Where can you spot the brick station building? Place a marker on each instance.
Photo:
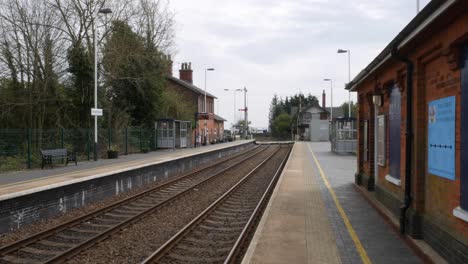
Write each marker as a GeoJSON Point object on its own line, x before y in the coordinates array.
{"type": "Point", "coordinates": [196, 98]}
{"type": "Point", "coordinates": [413, 123]}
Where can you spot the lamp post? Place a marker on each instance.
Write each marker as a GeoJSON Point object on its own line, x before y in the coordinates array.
{"type": "Point", "coordinates": [246, 126]}
{"type": "Point", "coordinates": [331, 97]}
{"type": "Point", "coordinates": [204, 104]}
{"type": "Point", "coordinates": [349, 77]}
{"type": "Point", "coordinates": [234, 117]}
{"type": "Point", "coordinates": [104, 11]}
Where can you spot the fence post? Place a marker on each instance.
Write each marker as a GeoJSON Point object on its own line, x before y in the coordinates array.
{"type": "Point", "coordinates": [29, 148]}
{"type": "Point", "coordinates": [88, 145]}
{"type": "Point", "coordinates": [109, 137]}
{"type": "Point", "coordinates": [62, 141]}
{"type": "Point", "coordinates": [141, 139]}
{"type": "Point", "coordinates": [126, 141]}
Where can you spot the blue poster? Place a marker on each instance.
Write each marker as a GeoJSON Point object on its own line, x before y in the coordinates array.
{"type": "Point", "coordinates": [441, 145]}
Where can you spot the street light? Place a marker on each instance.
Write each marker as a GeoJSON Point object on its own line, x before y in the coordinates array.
{"type": "Point", "coordinates": [331, 97]}
{"type": "Point", "coordinates": [234, 93]}
{"type": "Point", "coordinates": [204, 105]}
{"type": "Point", "coordinates": [104, 11]}
{"type": "Point", "coordinates": [349, 77]}
{"type": "Point", "coordinates": [246, 126]}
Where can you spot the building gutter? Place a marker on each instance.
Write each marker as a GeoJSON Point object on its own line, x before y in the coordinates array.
{"type": "Point", "coordinates": [408, 135]}
{"type": "Point", "coordinates": [432, 11]}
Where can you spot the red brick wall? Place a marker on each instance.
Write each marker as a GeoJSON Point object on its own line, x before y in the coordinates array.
{"type": "Point", "coordinates": [436, 75]}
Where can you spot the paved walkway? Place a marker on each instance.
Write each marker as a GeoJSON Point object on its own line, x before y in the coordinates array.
{"type": "Point", "coordinates": [12, 182]}
{"type": "Point", "coordinates": [316, 216]}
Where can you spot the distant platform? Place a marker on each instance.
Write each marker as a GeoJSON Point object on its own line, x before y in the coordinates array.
{"type": "Point", "coordinates": [273, 142]}
{"type": "Point", "coordinates": [13, 184]}
{"type": "Point", "coordinates": [34, 195]}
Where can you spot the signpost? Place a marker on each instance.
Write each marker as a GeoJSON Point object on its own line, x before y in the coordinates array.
{"type": "Point", "coordinates": [96, 111]}
{"type": "Point", "coordinates": [441, 138]}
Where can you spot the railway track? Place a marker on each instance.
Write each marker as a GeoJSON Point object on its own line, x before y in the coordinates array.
{"type": "Point", "coordinates": [219, 233]}
{"type": "Point", "coordinates": [60, 243]}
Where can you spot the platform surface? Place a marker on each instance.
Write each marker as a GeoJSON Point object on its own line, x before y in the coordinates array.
{"type": "Point", "coordinates": [14, 184]}
{"type": "Point", "coordinates": [317, 216]}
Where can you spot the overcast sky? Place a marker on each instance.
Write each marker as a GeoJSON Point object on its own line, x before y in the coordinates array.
{"type": "Point", "coordinates": [282, 47]}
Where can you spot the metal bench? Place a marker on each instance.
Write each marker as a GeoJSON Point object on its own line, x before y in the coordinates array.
{"type": "Point", "coordinates": [48, 155]}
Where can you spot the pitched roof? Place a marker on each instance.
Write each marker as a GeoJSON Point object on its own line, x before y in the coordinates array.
{"type": "Point", "coordinates": [316, 105]}
{"type": "Point", "coordinates": [189, 86]}
{"type": "Point", "coordinates": [337, 111]}
{"type": "Point", "coordinates": [218, 118]}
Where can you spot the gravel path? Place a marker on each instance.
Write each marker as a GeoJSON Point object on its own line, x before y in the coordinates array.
{"type": "Point", "coordinates": [211, 240]}
{"type": "Point", "coordinates": [135, 243]}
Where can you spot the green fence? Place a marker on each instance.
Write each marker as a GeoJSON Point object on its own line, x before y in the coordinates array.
{"type": "Point", "coordinates": [20, 148]}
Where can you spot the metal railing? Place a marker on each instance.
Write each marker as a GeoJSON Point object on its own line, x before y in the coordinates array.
{"type": "Point", "coordinates": [20, 148]}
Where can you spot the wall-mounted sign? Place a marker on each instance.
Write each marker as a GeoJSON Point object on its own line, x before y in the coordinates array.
{"type": "Point", "coordinates": [441, 138]}
{"type": "Point", "coordinates": [202, 116]}
{"type": "Point", "coordinates": [381, 140]}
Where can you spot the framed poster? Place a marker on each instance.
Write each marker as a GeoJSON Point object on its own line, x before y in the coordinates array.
{"type": "Point", "coordinates": [381, 140]}
{"type": "Point", "coordinates": [441, 137]}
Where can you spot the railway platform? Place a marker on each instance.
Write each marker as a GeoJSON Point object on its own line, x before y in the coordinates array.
{"type": "Point", "coordinates": [23, 182]}
{"type": "Point", "coordinates": [316, 215]}
{"type": "Point", "coordinates": [30, 196]}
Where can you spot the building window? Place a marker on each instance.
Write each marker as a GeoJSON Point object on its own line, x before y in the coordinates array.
{"type": "Point", "coordinates": [394, 130]}
{"type": "Point", "coordinates": [381, 140]}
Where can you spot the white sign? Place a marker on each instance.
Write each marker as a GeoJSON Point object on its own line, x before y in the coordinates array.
{"type": "Point", "coordinates": [96, 111]}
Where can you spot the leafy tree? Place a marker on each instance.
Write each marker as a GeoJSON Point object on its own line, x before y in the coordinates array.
{"type": "Point", "coordinates": [282, 126]}
{"type": "Point", "coordinates": [354, 109]}
{"type": "Point", "coordinates": [134, 75]}
{"type": "Point", "coordinates": [275, 110]}
{"type": "Point", "coordinates": [81, 89]}
{"type": "Point", "coordinates": [280, 107]}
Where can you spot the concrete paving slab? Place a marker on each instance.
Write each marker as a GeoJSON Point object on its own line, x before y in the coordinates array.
{"type": "Point", "coordinates": [380, 242]}
{"type": "Point", "coordinates": [302, 223]}
{"type": "Point", "coordinates": [295, 227]}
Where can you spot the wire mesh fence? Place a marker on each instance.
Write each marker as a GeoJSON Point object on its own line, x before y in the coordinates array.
{"type": "Point", "coordinates": [20, 148]}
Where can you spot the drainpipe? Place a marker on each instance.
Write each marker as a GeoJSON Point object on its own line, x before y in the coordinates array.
{"type": "Point", "coordinates": [408, 135]}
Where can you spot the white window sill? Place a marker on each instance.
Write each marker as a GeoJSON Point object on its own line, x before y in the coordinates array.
{"type": "Point", "coordinates": [460, 213]}
{"type": "Point", "coordinates": [393, 180]}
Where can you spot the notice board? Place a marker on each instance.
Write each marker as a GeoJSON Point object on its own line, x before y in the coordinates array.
{"type": "Point", "coordinates": [441, 138]}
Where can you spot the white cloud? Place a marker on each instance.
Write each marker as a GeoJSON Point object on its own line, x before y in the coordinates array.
{"type": "Point", "coordinates": [276, 46]}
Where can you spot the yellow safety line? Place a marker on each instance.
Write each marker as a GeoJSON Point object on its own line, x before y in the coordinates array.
{"type": "Point", "coordinates": [362, 252]}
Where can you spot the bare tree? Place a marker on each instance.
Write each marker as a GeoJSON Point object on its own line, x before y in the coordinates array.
{"type": "Point", "coordinates": [35, 37]}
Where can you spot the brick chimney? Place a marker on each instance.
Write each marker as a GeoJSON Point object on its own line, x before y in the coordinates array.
{"type": "Point", "coordinates": [185, 72]}
{"type": "Point", "coordinates": [323, 99]}
{"type": "Point", "coordinates": [168, 65]}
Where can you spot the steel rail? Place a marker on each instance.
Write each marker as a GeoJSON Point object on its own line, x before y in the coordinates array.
{"type": "Point", "coordinates": [18, 245]}
{"type": "Point", "coordinates": [237, 248]}
{"type": "Point", "coordinates": [166, 247]}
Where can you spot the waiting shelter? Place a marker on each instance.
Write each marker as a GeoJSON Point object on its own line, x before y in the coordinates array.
{"type": "Point", "coordinates": [171, 133]}
{"type": "Point", "coordinates": [343, 135]}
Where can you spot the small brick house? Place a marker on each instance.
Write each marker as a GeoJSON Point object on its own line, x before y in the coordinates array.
{"type": "Point", "coordinates": [196, 96]}
{"type": "Point", "coordinates": [413, 123]}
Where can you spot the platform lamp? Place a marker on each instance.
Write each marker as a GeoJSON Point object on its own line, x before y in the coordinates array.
{"type": "Point", "coordinates": [349, 77]}
{"type": "Point", "coordinates": [234, 93]}
{"type": "Point", "coordinates": [104, 11]}
{"type": "Point", "coordinates": [204, 104]}
{"type": "Point", "coordinates": [331, 97]}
